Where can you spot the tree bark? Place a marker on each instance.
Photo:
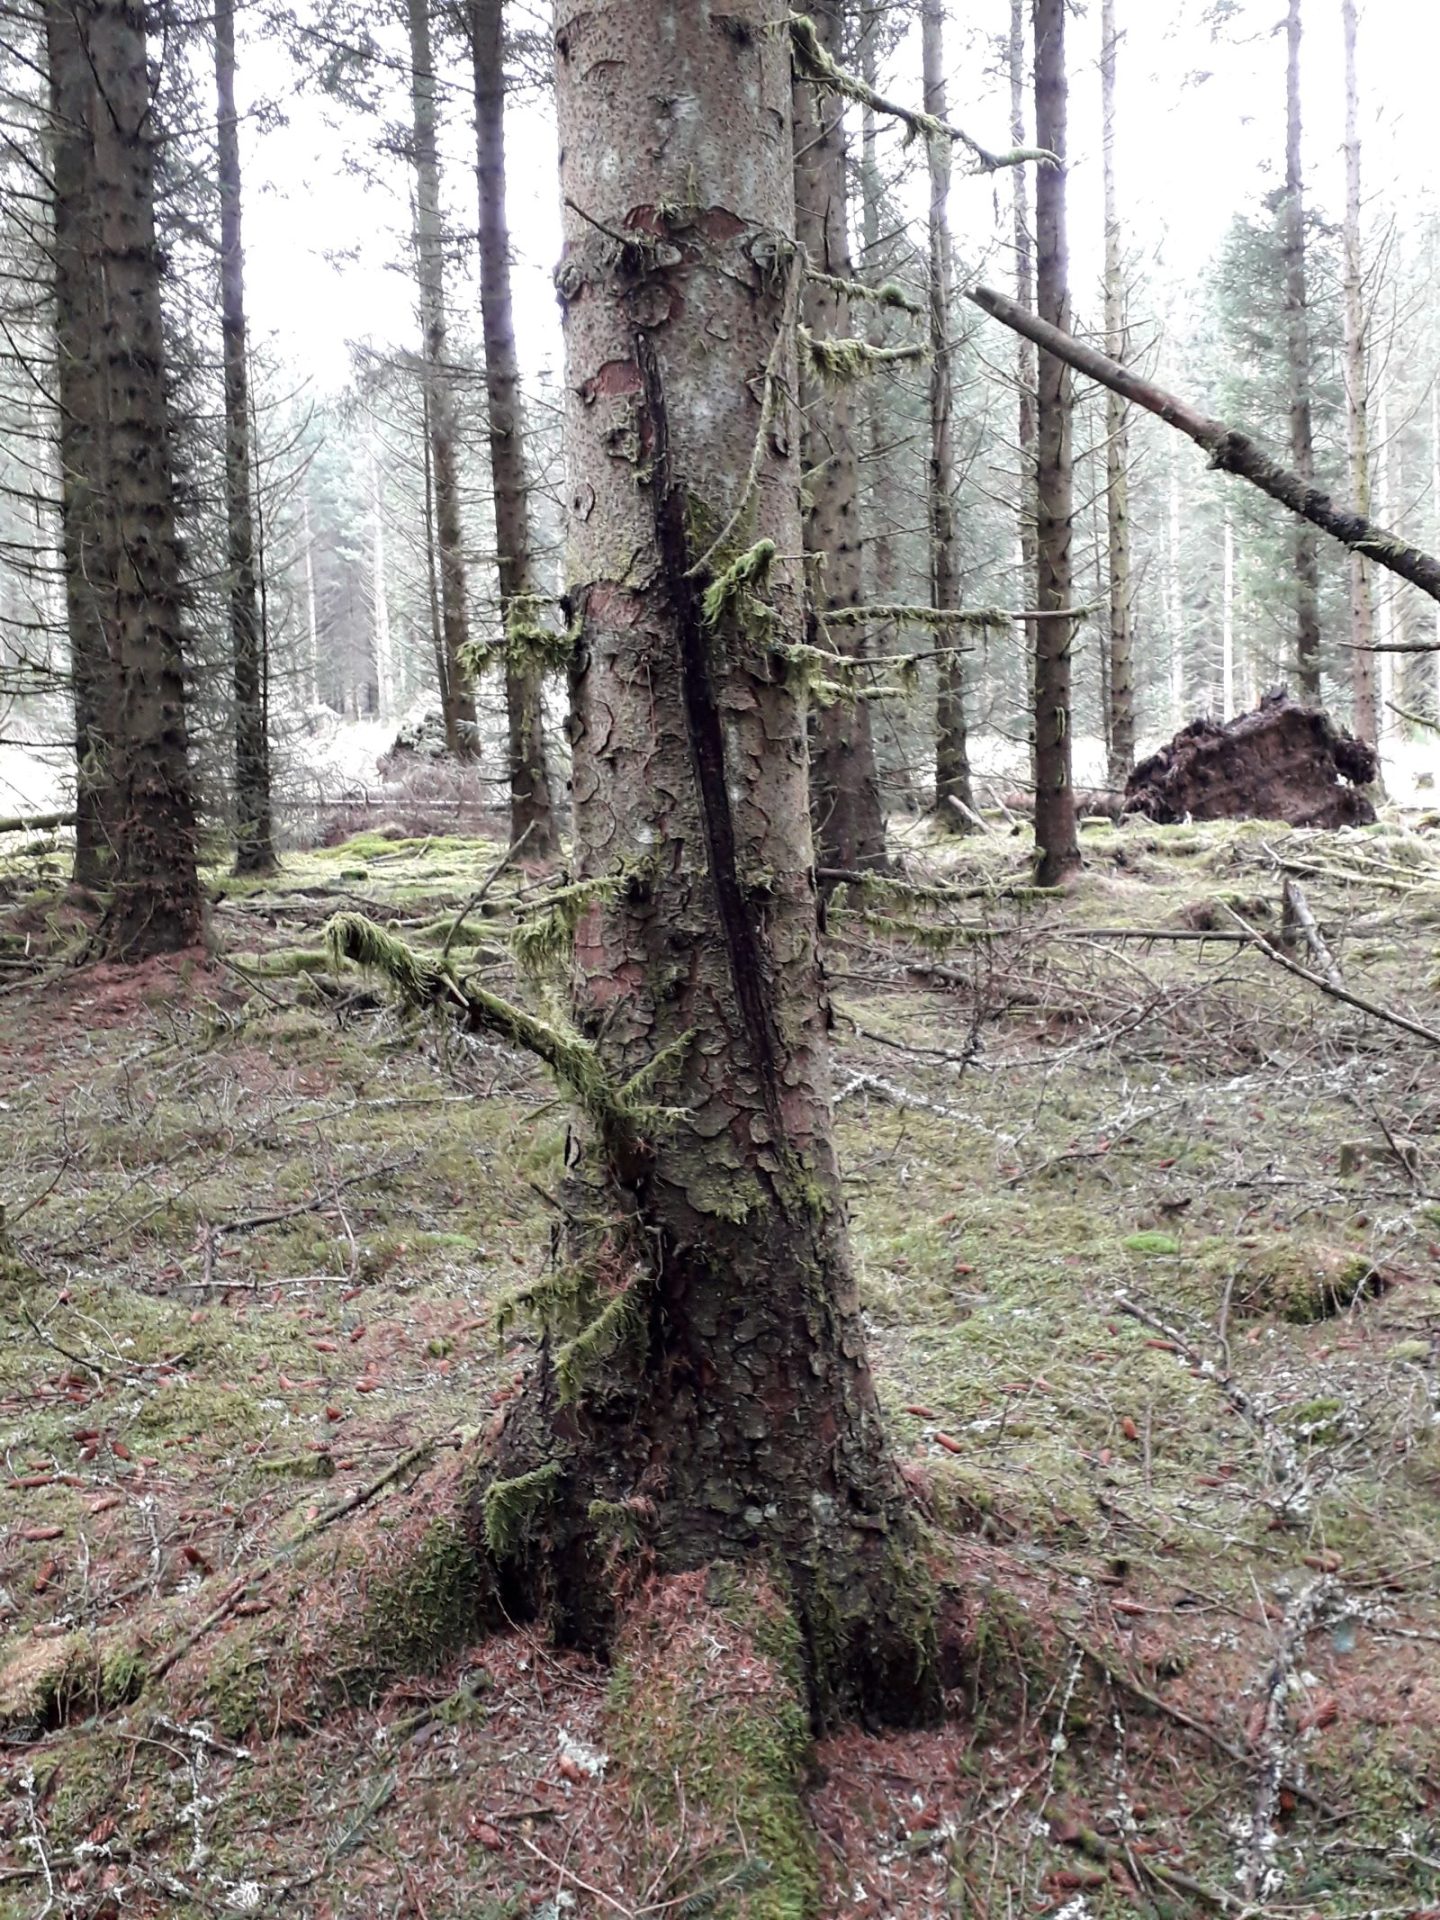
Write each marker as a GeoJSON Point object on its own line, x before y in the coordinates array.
{"type": "Point", "coordinates": [1026, 372]}
{"type": "Point", "coordinates": [850, 824]}
{"type": "Point", "coordinates": [1297, 347]}
{"type": "Point", "coordinates": [952, 747]}
{"type": "Point", "coordinates": [532, 814]}
{"type": "Point", "coordinates": [254, 829]}
{"type": "Point", "coordinates": [1357, 417]}
{"type": "Point", "coordinates": [1055, 831]}
{"type": "Point", "coordinates": [118, 496]}
{"type": "Point", "coordinates": [457, 698]}
{"type": "Point", "coordinates": [728, 1413]}
{"type": "Point", "coordinates": [1230, 449]}
{"type": "Point", "coordinates": [1120, 677]}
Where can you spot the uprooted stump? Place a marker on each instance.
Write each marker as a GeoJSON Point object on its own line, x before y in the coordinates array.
{"type": "Point", "coordinates": [1280, 762]}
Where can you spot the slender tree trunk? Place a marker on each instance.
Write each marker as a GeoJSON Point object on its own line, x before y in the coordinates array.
{"type": "Point", "coordinates": [1055, 831]}
{"type": "Point", "coordinates": [531, 810]}
{"type": "Point", "coordinates": [1227, 623]}
{"type": "Point", "coordinates": [1435, 512]}
{"type": "Point", "coordinates": [1026, 374]}
{"type": "Point", "coordinates": [850, 825]}
{"type": "Point", "coordinates": [1389, 597]}
{"type": "Point", "coordinates": [1120, 650]}
{"type": "Point", "coordinates": [1174, 597]}
{"type": "Point", "coordinates": [1357, 378]}
{"type": "Point", "coordinates": [457, 697]}
{"type": "Point", "coordinates": [122, 556]}
{"type": "Point", "coordinates": [312, 614]}
{"type": "Point", "coordinates": [729, 1414]}
{"type": "Point", "coordinates": [380, 592]}
{"type": "Point", "coordinates": [952, 747]}
{"type": "Point", "coordinates": [254, 829]}
{"type": "Point", "coordinates": [1298, 352]}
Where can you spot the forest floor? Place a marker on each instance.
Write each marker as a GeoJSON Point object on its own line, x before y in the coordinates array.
{"type": "Point", "coordinates": [1149, 1239]}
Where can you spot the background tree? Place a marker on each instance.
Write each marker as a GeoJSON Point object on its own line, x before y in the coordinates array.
{"type": "Point", "coordinates": [1055, 831]}
{"type": "Point", "coordinates": [531, 809]}
{"type": "Point", "coordinates": [118, 490]}
{"type": "Point", "coordinates": [441, 424]}
{"type": "Point", "coordinates": [1302, 441]}
{"type": "Point", "coordinates": [1357, 396]}
{"type": "Point", "coordinates": [954, 800]}
{"type": "Point", "coordinates": [850, 826]}
{"type": "Point", "coordinates": [255, 843]}
{"type": "Point", "coordinates": [1120, 675]}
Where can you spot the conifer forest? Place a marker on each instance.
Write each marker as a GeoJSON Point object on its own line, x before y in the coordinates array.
{"type": "Point", "coordinates": [719, 959]}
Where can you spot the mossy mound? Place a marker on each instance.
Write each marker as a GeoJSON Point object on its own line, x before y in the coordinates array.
{"type": "Point", "coordinates": [706, 1720]}
{"type": "Point", "coordinates": [1303, 1282]}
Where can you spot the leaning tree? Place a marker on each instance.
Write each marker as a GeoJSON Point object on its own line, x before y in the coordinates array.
{"type": "Point", "coordinates": [703, 1393]}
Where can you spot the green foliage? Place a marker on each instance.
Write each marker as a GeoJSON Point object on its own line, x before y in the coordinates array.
{"type": "Point", "coordinates": [527, 646]}
{"type": "Point", "coordinates": [543, 941]}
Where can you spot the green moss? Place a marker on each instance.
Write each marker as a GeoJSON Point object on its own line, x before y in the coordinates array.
{"type": "Point", "coordinates": [510, 1507]}
{"type": "Point", "coordinates": [732, 1758]}
{"type": "Point", "coordinates": [1153, 1245]}
{"type": "Point", "coordinates": [1303, 1282]}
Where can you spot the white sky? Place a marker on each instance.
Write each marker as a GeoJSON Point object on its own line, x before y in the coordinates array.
{"type": "Point", "coordinates": [1201, 136]}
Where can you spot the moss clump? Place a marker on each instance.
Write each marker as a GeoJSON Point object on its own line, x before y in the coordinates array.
{"type": "Point", "coordinates": [1152, 1244]}
{"type": "Point", "coordinates": [737, 1753]}
{"type": "Point", "coordinates": [1304, 1283]}
{"type": "Point", "coordinates": [415, 1616]}
{"type": "Point", "coordinates": [510, 1506]}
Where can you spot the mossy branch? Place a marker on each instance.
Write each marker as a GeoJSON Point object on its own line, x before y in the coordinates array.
{"type": "Point", "coordinates": [814, 62]}
{"type": "Point", "coordinates": [917, 616]}
{"type": "Point", "coordinates": [841, 362]}
{"type": "Point", "coordinates": [889, 293]}
{"type": "Point", "coordinates": [546, 939]}
{"type": "Point", "coordinates": [528, 645]}
{"type": "Point", "coordinates": [747, 576]}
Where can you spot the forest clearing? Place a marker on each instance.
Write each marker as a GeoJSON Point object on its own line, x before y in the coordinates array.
{"type": "Point", "coordinates": [1146, 1233]}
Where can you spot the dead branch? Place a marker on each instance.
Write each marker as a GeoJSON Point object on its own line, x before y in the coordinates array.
{"type": "Point", "coordinates": [1230, 449]}
{"type": "Point", "coordinates": [1297, 918]}
{"type": "Point", "coordinates": [36, 822]}
{"type": "Point", "coordinates": [1385, 1014]}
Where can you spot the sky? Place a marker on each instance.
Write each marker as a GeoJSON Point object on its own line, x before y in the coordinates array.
{"type": "Point", "coordinates": [1201, 136]}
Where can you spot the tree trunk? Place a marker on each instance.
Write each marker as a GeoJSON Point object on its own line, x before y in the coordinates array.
{"type": "Point", "coordinates": [457, 698]}
{"type": "Point", "coordinates": [254, 831]}
{"type": "Point", "coordinates": [1120, 730]}
{"type": "Point", "coordinates": [1174, 598]}
{"type": "Point", "coordinates": [1026, 373]}
{"type": "Point", "coordinates": [531, 810]}
{"type": "Point", "coordinates": [850, 825]}
{"type": "Point", "coordinates": [952, 747]}
{"type": "Point", "coordinates": [1055, 832]}
{"type": "Point", "coordinates": [1227, 623]}
{"type": "Point", "coordinates": [380, 594]}
{"type": "Point", "coordinates": [122, 560]}
{"type": "Point", "coordinates": [719, 1406]}
{"type": "Point", "coordinates": [1302, 447]}
{"type": "Point", "coordinates": [1357, 377]}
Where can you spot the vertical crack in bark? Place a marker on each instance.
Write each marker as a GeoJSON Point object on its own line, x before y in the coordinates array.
{"type": "Point", "coordinates": [707, 747]}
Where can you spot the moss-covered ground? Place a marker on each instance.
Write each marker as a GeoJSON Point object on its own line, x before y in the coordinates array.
{"type": "Point", "coordinates": [1148, 1233]}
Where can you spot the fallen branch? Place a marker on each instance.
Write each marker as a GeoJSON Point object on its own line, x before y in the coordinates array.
{"type": "Point", "coordinates": [36, 822]}
{"type": "Point", "coordinates": [1304, 1613]}
{"type": "Point", "coordinates": [1230, 450]}
{"type": "Point", "coordinates": [1297, 917]}
{"type": "Point", "coordinates": [1385, 1014]}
